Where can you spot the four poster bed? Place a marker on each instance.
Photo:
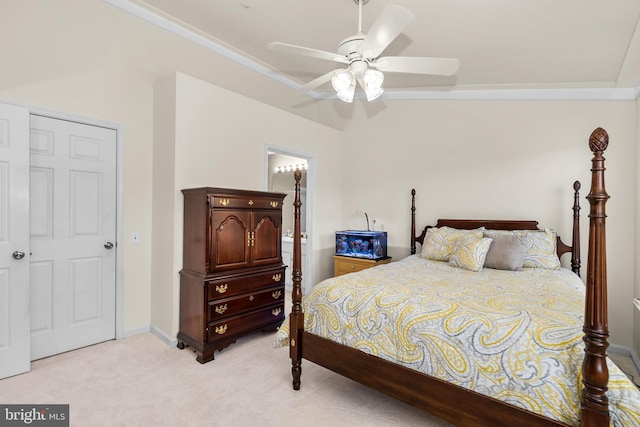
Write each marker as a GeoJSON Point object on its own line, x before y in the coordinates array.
{"type": "Point", "coordinates": [472, 345]}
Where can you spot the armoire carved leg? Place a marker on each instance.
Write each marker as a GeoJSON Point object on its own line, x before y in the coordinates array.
{"type": "Point", "coordinates": [204, 356]}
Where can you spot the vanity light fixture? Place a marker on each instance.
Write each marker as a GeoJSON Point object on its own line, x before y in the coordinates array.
{"type": "Point", "coordinates": [290, 168]}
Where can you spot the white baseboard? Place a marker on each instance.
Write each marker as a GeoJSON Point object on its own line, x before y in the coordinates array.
{"type": "Point", "coordinates": [626, 351]}
{"type": "Point", "coordinates": [170, 341]}
{"type": "Point", "coordinates": [132, 332]}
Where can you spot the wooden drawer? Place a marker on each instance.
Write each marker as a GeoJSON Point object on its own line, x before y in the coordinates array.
{"type": "Point", "coordinates": [226, 307]}
{"type": "Point", "coordinates": [217, 289]}
{"type": "Point", "coordinates": [243, 323]}
{"type": "Point", "coordinates": [345, 265]}
{"type": "Point", "coordinates": [244, 202]}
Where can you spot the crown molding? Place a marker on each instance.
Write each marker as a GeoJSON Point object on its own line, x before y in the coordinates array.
{"type": "Point", "coordinates": [568, 94]}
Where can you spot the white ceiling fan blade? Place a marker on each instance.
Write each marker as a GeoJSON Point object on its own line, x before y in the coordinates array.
{"type": "Point", "coordinates": [391, 22]}
{"type": "Point", "coordinates": [417, 65]}
{"type": "Point", "coordinates": [319, 81]}
{"type": "Point", "coordinates": [314, 53]}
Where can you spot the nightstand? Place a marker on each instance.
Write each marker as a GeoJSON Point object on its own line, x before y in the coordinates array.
{"type": "Point", "coordinates": [344, 265]}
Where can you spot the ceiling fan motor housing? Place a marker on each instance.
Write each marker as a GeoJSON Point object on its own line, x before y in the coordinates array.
{"type": "Point", "coordinates": [349, 46]}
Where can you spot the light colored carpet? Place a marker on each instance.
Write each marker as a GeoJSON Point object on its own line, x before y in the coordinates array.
{"type": "Point", "coordinates": [141, 381]}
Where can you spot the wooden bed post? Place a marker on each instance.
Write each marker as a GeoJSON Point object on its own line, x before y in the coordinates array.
{"type": "Point", "coordinates": [296, 319]}
{"type": "Point", "coordinates": [595, 375]}
{"type": "Point", "coordinates": [413, 221]}
{"type": "Point", "coordinates": [575, 242]}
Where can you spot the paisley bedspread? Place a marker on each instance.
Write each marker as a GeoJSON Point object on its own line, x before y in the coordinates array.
{"type": "Point", "coordinates": [513, 335]}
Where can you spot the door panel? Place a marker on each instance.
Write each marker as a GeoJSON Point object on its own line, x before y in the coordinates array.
{"type": "Point", "coordinates": [85, 289]}
{"type": "Point", "coordinates": [41, 277]}
{"type": "Point", "coordinates": [267, 228]}
{"type": "Point", "coordinates": [73, 214]}
{"type": "Point", "coordinates": [230, 239]}
{"type": "Point", "coordinates": [14, 237]}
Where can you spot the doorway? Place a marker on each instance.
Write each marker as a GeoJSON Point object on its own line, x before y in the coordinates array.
{"type": "Point", "coordinates": [64, 216]}
{"type": "Point", "coordinates": [281, 163]}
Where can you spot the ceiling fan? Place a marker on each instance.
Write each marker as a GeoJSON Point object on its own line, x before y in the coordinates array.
{"type": "Point", "coordinates": [361, 53]}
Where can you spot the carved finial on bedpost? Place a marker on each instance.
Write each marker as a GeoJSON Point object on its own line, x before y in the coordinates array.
{"type": "Point", "coordinates": [575, 244]}
{"type": "Point", "coordinates": [413, 221]}
{"type": "Point", "coordinates": [296, 318]}
{"type": "Point", "coordinates": [595, 404]}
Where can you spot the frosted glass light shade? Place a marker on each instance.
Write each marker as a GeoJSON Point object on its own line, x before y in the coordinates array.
{"type": "Point", "coordinates": [372, 80]}
{"type": "Point", "coordinates": [345, 85]}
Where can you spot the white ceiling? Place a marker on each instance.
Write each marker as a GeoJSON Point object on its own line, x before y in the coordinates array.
{"type": "Point", "coordinates": [529, 44]}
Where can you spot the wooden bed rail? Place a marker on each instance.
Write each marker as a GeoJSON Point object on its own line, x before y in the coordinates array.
{"type": "Point", "coordinates": [595, 375]}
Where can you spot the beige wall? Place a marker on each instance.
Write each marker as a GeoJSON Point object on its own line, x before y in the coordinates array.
{"type": "Point", "coordinates": [124, 99]}
{"type": "Point", "coordinates": [162, 217]}
{"type": "Point", "coordinates": [220, 140]}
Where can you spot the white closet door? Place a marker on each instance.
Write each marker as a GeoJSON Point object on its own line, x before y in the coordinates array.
{"type": "Point", "coordinates": [14, 240]}
{"type": "Point", "coordinates": [73, 231]}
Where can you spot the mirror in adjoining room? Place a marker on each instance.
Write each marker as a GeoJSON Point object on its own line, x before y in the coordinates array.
{"type": "Point", "coordinates": [280, 180]}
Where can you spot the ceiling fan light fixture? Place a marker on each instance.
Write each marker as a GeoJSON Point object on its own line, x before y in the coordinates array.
{"type": "Point", "coordinates": [372, 80]}
{"type": "Point", "coordinates": [361, 51]}
{"type": "Point", "coordinates": [345, 85]}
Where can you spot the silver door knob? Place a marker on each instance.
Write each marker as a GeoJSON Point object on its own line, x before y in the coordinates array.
{"type": "Point", "coordinates": [108, 245]}
{"type": "Point", "coordinates": [18, 254]}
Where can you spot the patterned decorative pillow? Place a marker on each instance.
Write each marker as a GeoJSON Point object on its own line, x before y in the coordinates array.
{"type": "Point", "coordinates": [541, 247]}
{"type": "Point", "coordinates": [470, 252]}
{"type": "Point", "coordinates": [439, 242]}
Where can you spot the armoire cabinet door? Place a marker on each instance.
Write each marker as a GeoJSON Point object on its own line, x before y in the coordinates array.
{"type": "Point", "coordinates": [267, 231]}
{"type": "Point", "coordinates": [230, 239]}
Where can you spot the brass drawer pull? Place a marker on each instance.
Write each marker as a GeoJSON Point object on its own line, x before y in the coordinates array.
{"type": "Point", "coordinates": [220, 330]}
{"type": "Point", "coordinates": [224, 202]}
{"type": "Point", "coordinates": [221, 308]}
{"type": "Point", "coordinates": [276, 311]}
{"type": "Point", "coordinates": [222, 289]}
{"type": "Point", "coordinates": [274, 204]}
{"type": "Point", "coordinates": [276, 277]}
{"type": "Point", "coordinates": [276, 294]}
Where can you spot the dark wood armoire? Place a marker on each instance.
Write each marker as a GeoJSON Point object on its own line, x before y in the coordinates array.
{"type": "Point", "coordinates": [232, 279]}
